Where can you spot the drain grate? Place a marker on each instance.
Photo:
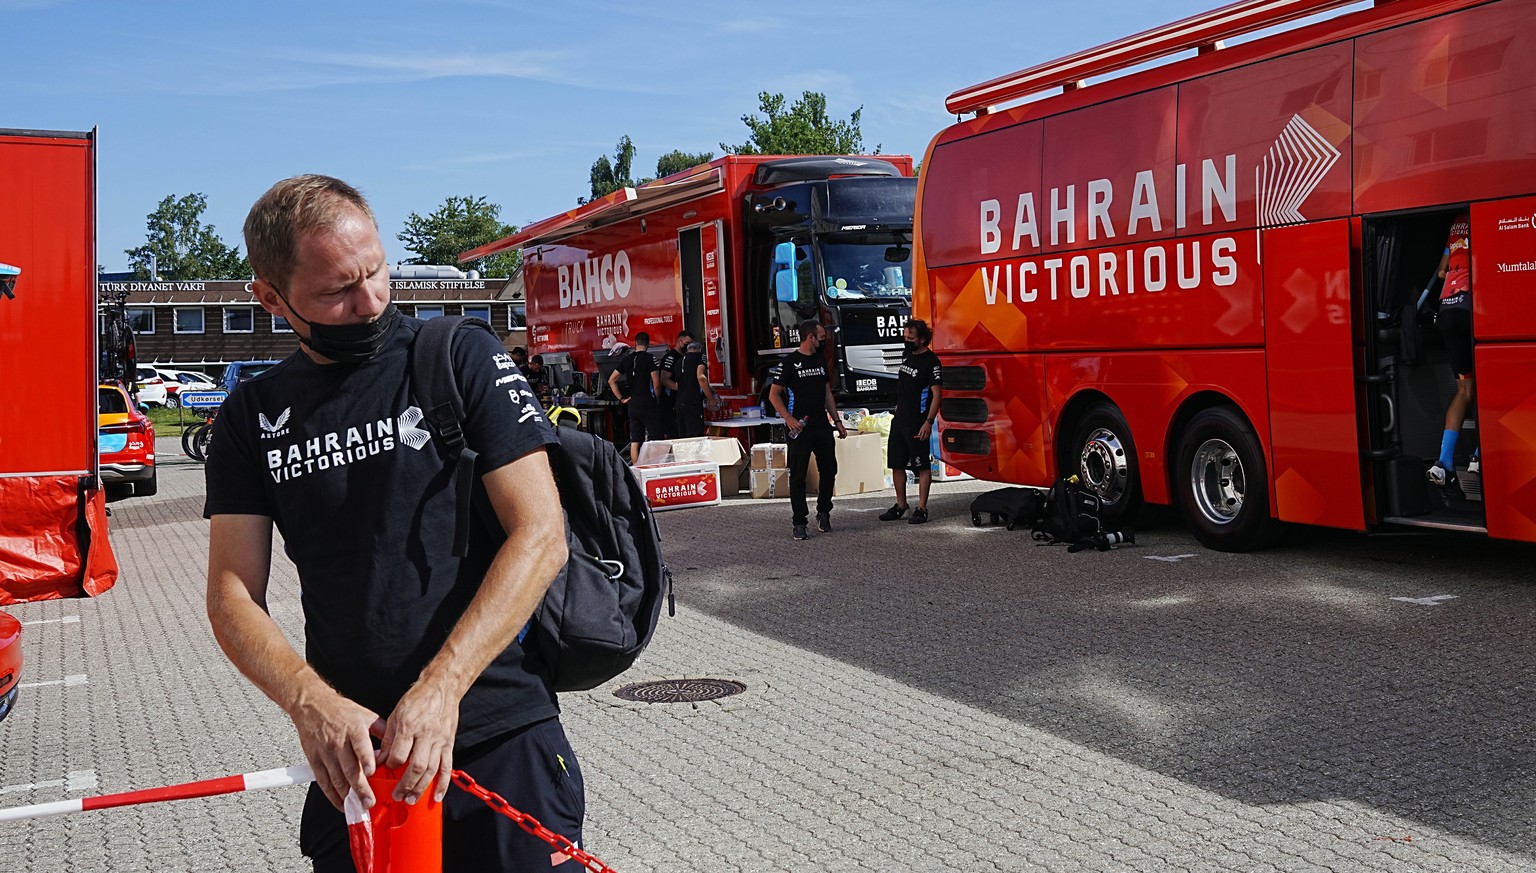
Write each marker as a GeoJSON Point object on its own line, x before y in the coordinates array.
{"type": "Point", "coordinates": [679, 690]}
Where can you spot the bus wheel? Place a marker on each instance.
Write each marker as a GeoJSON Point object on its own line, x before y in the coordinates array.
{"type": "Point", "coordinates": [1221, 484]}
{"type": "Point", "coordinates": [1104, 458]}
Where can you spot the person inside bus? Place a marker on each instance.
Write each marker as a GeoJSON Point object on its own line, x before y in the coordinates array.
{"type": "Point", "coordinates": [1454, 320]}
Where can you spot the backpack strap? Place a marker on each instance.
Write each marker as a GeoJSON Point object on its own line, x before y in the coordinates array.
{"type": "Point", "coordinates": [437, 393]}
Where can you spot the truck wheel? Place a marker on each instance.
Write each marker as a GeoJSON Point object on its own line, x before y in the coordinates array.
{"type": "Point", "coordinates": [1103, 455]}
{"type": "Point", "coordinates": [1221, 484]}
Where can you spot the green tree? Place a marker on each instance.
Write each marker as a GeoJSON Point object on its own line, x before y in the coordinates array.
{"type": "Point", "coordinates": [460, 224]}
{"type": "Point", "coordinates": [677, 161]}
{"type": "Point", "coordinates": [182, 247]}
{"type": "Point", "coordinates": [610, 176]}
{"type": "Point", "coordinates": [802, 129]}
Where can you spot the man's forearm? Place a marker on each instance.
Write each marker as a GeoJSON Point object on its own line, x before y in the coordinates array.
{"type": "Point", "coordinates": [515, 583]}
{"type": "Point", "coordinates": [256, 646]}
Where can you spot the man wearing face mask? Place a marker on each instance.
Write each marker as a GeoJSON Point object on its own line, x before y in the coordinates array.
{"type": "Point", "coordinates": [406, 644]}
{"type": "Point", "coordinates": [802, 395]}
{"type": "Point", "coordinates": [917, 405]}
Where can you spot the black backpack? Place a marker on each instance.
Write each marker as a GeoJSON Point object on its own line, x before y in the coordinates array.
{"type": "Point", "coordinates": [602, 607]}
{"type": "Point", "coordinates": [1071, 513]}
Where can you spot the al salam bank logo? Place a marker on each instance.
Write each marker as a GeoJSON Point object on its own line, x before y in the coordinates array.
{"type": "Point", "coordinates": [1294, 167]}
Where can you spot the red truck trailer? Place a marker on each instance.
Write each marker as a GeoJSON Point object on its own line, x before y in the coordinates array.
{"type": "Point", "coordinates": [53, 529]}
{"type": "Point", "coordinates": [1196, 283]}
{"type": "Point", "coordinates": [739, 251]}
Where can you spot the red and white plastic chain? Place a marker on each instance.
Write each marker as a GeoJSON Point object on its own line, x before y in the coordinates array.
{"type": "Point", "coordinates": [529, 823]}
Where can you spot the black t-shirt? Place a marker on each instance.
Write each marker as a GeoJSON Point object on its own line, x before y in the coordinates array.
{"type": "Point", "coordinates": [337, 456]}
{"type": "Point", "coordinates": [804, 378]}
{"type": "Point", "coordinates": [641, 366]}
{"type": "Point", "coordinates": [688, 391]}
{"type": "Point", "coordinates": [539, 382]}
{"type": "Point", "coordinates": [914, 386]}
{"type": "Point", "coordinates": [670, 364]}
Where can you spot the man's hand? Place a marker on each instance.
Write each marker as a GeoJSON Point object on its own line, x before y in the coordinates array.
{"type": "Point", "coordinates": [924, 431]}
{"type": "Point", "coordinates": [421, 731]}
{"type": "Point", "coordinates": [842, 430]}
{"type": "Point", "coordinates": [794, 426]}
{"type": "Point", "coordinates": [333, 731]}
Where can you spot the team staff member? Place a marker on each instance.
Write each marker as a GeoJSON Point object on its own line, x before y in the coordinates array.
{"type": "Point", "coordinates": [1455, 322]}
{"type": "Point", "coordinates": [644, 388]}
{"type": "Point", "coordinates": [917, 405]}
{"type": "Point", "coordinates": [670, 370]}
{"type": "Point", "coordinates": [802, 395]}
{"type": "Point", "coordinates": [693, 391]}
{"type": "Point", "coordinates": [406, 643]}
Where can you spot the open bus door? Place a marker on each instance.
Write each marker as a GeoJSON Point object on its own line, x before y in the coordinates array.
{"type": "Point", "coordinates": [705, 309]}
{"type": "Point", "coordinates": [1309, 349]}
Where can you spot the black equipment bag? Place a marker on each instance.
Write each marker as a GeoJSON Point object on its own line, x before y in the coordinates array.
{"type": "Point", "coordinates": [602, 607]}
{"type": "Point", "coordinates": [1016, 507]}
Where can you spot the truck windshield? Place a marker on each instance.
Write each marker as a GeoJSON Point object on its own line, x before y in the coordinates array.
{"type": "Point", "coordinates": [867, 266]}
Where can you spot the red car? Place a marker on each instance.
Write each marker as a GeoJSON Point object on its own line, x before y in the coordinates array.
{"type": "Point", "coordinates": [10, 662]}
{"type": "Point", "coordinates": [125, 440]}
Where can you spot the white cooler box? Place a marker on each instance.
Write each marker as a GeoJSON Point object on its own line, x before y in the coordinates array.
{"type": "Point", "coordinates": [679, 486]}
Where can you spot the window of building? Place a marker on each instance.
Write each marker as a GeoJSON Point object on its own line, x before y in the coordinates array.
{"type": "Point", "coordinates": [281, 325]}
{"type": "Point", "coordinates": [239, 319]}
{"type": "Point", "coordinates": [426, 312]}
{"type": "Point", "coordinates": [517, 317]}
{"type": "Point", "coordinates": [481, 312]}
{"type": "Point", "coordinates": [141, 319]}
{"type": "Point", "coordinates": [189, 319]}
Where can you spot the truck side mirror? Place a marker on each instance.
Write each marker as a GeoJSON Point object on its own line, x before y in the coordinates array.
{"type": "Point", "coordinates": [786, 284]}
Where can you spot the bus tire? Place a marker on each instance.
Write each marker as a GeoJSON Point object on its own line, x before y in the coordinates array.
{"type": "Point", "coordinates": [1221, 484]}
{"type": "Point", "coordinates": [1103, 455]}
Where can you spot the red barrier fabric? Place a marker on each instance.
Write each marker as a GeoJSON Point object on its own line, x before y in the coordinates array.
{"type": "Point", "coordinates": [49, 537]}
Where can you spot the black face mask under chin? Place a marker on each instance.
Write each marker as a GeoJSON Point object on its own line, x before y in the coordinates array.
{"type": "Point", "coordinates": [347, 343]}
{"type": "Point", "coordinates": [909, 345]}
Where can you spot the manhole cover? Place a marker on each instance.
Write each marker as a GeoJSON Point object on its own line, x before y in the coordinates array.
{"type": "Point", "coordinates": [679, 690]}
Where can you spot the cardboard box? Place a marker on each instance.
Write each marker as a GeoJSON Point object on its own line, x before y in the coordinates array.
{"type": "Point", "coordinates": [679, 486]}
{"type": "Point", "coordinates": [724, 451]}
{"type": "Point", "coordinates": [770, 456]}
{"type": "Point", "coordinates": [770, 483]}
{"type": "Point", "coordinates": [860, 466]}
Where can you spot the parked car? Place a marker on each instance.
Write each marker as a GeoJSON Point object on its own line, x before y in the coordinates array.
{"type": "Point", "coordinates": [177, 381]}
{"type": "Point", "coordinates": [239, 371]}
{"type": "Point", "coordinates": [125, 442]}
{"type": "Point", "coordinates": [10, 658]}
{"type": "Point", "coordinates": [151, 387]}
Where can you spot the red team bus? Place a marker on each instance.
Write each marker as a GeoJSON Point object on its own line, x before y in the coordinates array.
{"type": "Point", "coordinates": [739, 251]}
{"type": "Point", "coordinates": [1197, 283]}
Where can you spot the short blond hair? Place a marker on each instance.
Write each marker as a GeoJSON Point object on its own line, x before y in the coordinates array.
{"type": "Point", "coordinates": [289, 208]}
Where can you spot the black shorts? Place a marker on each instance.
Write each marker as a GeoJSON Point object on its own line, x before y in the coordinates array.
{"type": "Point", "coordinates": [904, 451]}
{"type": "Point", "coordinates": [644, 424]}
{"type": "Point", "coordinates": [1456, 328]}
{"type": "Point", "coordinates": [532, 767]}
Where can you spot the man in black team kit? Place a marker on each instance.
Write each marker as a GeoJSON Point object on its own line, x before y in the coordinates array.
{"type": "Point", "coordinates": [405, 643]}
{"type": "Point", "coordinates": [917, 405]}
{"type": "Point", "coordinates": [669, 368]}
{"type": "Point", "coordinates": [644, 388]}
{"type": "Point", "coordinates": [694, 391]}
{"type": "Point", "coordinates": [802, 395]}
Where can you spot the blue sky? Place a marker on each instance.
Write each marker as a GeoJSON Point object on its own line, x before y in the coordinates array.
{"type": "Point", "coordinates": [413, 102]}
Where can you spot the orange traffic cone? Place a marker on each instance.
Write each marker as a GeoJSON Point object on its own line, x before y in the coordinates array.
{"type": "Point", "coordinates": [395, 837]}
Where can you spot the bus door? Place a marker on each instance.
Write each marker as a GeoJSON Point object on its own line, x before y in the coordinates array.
{"type": "Point", "coordinates": [706, 310]}
{"type": "Point", "coordinates": [1309, 354]}
{"type": "Point", "coordinates": [1409, 380]}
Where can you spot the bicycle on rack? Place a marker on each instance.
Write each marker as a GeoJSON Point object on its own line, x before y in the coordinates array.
{"type": "Point", "coordinates": [196, 437]}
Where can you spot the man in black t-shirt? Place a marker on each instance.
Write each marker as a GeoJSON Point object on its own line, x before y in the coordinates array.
{"type": "Point", "coordinates": [694, 391]}
{"type": "Point", "coordinates": [669, 368]}
{"type": "Point", "coordinates": [404, 642]}
{"type": "Point", "coordinates": [802, 395]}
{"type": "Point", "coordinates": [644, 388]}
{"type": "Point", "coordinates": [917, 405]}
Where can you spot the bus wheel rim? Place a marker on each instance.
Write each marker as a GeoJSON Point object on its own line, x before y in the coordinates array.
{"type": "Point", "coordinates": [1104, 466]}
{"type": "Point", "coordinates": [1217, 481]}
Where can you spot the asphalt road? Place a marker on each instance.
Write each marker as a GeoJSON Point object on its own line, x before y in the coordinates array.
{"type": "Point", "coordinates": [918, 698]}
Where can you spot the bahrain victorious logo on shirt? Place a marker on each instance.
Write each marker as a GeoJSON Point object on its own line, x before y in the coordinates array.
{"type": "Point", "coordinates": [339, 448]}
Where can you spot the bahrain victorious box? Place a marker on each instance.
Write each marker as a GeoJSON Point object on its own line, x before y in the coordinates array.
{"type": "Point", "coordinates": [679, 486]}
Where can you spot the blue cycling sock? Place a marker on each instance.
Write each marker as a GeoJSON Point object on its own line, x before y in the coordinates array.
{"type": "Point", "coordinates": [1448, 449]}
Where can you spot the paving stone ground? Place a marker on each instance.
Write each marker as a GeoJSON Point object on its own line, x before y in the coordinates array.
{"type": "Point", "coordinates": [918, 698]}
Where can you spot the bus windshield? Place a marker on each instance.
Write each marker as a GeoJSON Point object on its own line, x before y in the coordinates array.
{"type": "Point", "coordinates": [867, 267]}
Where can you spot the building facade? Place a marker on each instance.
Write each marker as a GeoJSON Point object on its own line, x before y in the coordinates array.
{"type": "Point", "coordinates": [202, 325]}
